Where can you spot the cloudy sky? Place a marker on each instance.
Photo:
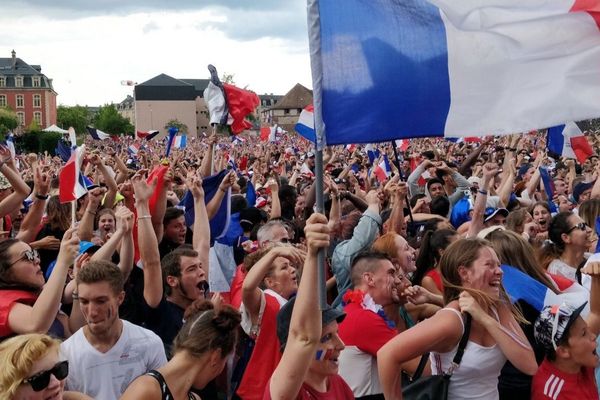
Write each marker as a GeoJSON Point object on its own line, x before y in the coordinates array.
{"type": "Point", "coordinates": [89, 46]}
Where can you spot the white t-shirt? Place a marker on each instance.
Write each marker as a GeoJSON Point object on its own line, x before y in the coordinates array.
{"type": "Point", "coordinates": [105, 376]}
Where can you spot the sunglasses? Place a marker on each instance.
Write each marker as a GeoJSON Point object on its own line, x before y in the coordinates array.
{"type": "Point", "coordinates": [582, 226]}
{"type": "Point", "coordinates": [29, 255]}
{"type": "Point", "coordinates": [41, 380]}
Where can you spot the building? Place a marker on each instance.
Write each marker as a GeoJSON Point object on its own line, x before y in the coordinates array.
{"type": "Point", "coordinates": [286, 111]}
{"type": "Point", "coordinates": [267, 101]}
{"type": "Point", "coordinates": [27, 91]}
{"type": "Point", "coordinates": [164, 98]}
{"type": "Point", "coordinates": [126, 109]}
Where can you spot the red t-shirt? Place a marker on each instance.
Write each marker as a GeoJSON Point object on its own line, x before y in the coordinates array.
{"type": "Point", "coordinates": [437, 279]}
{"type": "Point", "coordinates": [265, 356]}
{"type": "Point", "coordinates": [235, 290]}
{"type": "Point", "coordinates": [8, 298]}
{"type": "Point", "coordinates": [552, 383]}
{"type": "Point", "coordinates": [337, 390]}
{"type": "Point", "coordinates": [364, 329]}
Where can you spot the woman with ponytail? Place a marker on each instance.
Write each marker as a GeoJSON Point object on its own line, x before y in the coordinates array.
{"type": "Point", "coordinates": [432, 247]}
{"type": "Point", "coordinates": [472, 285]}
{"type": "Point", "coordinates": [564, 255]}
{"type": "Point", "coordinates": [200, 352]}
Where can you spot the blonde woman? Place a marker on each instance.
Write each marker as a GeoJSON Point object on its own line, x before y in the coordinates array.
{"type": "Point", "coordinates": [472, 284]}
{"type": "Point", "coordinates": [33, 370]}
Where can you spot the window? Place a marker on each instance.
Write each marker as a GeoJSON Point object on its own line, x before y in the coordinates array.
{"type": "Point", "coordinates": [2, 100]}
{"type": "Point", "coordinates": [36, 81]}
{"type": "Point", "coordinates": [20, 101]}
{"type": "Point", "coordinates": [37, 117]}
{"type": "Point", "coordinates": [37, 101]}
{"type": "Point", "coordinates": [19, 81]}
{"type": "Point", "coordinates": [2, 81]}
{"type": "Point", "coordinates": [21, 117]}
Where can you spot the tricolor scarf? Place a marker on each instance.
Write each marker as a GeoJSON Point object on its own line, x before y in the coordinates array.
{"type": "Point", "coordinates": [367, 303]}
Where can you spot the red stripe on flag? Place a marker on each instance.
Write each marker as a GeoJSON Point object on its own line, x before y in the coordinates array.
{"type": "Point", "coordinates": [581, 148]}
{"type": "Point", "coordinates": [67, 180]}
{"type": "Point", "coordinates": [591, 7]}
{"type": "Point", "coordinates": [265, 131]}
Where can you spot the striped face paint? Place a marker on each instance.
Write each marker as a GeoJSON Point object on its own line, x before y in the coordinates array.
{"type": "Point", "coordinates": [323, 355]}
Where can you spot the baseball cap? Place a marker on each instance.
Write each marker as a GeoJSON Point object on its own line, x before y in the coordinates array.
{"type": "Point", "coordinates": [284, 317]}
{"type": "Point", "coordinates": [553, 322]}
{"type": "Point", "coordinates": [491, 212]}
{"type": "Point", "coordinates": [84, 247]}
{"type": "Point", "coordinates": [474, 180]}
{"type": "Point", "coordinates": [310, 154]}
{"type": "Point", "coordinates": [580, 188]}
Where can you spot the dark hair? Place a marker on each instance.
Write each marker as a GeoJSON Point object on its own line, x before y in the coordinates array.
{"type": "Point", "coordinates": [59, 215]}
{"type": "Point", "coordinates": [365, 261]}
{"type": "Point", "coordinates": [433, 181]}
{"type": "Point", "coordinates": [440, 205]}
{"type": "Point", "coordinates": [238, 203]}
{"type": "Point", "coordinates": [172, 213]}
{"type": "Point", "coordinates": [432, 244]}
{"type": "Point", "coordinates": [171, 264]}
{"type": "Point", "coordinates": [288, 195]}
{"type": "Point", "coordinates": [6, 281]}
{"type": "Point", "coordinates": [553, 249]}
{"type": "Point", "coordinates": [415, 198]}
{"type": "Point", "coordinates": [102, 271]}
{"type": "Point", "coordinates": [207, 329]}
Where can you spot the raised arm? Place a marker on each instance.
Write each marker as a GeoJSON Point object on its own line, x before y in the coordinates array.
{"type": "Point", "coordinates": [148, 245]}
{"type": "Point", "coordinates": [213, 205]}
{"type": "Point", "coordinates": [206, 166]}
{"type": "Point", "coordinates": [305, 325]}
{"type": "Point", "coordinates": [489, 172]}
{"type": "Point", "coordinates": [275, 203]}
{"type": "Point", "coordinates": [39, 317]}
{"type": "Point", "coordinates": [20, 189]}
{"type": "Point", "coordinates": [593, 320]}
{"type": "Point", "coordinates": [86, 225]}
{"type": "Point", "coordinates": [201, 236]}
{"type": "Point", "coordinates": [31, 222]}
{"type": "Point", "coordinates": [109, 180]}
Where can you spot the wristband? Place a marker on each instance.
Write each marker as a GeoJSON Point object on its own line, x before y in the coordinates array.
{"type": "Point", "coordinates": [144, 217]}
{"type": "Point", "coordinates": [482, 191]}
{"type": "Point", "coordinates": [41, 196]}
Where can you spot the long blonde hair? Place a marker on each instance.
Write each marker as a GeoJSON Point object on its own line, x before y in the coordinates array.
{"type": "Point", "coordinates": [17, 356]}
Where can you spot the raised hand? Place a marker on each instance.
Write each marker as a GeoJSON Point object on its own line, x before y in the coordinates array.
{"type": "Point", "coordinates": [69, 247]}
{"type": "Point", "coordinates": [124, 218]}
{"type": "Point", "coordinates": [316, 232]}
{"type": "Point", "coordinates": [141, 189]}
{"type": "Point", "coordinates": [194, 184]}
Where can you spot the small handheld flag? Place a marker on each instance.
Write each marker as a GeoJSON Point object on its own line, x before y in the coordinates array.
{"type": "Point", "coordinates": [172, 133]}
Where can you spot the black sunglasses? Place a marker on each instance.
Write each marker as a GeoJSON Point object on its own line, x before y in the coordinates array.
{"type": "Point", "coordinates": [582, 226]}
{"type": "Point", "coordinates": [29, 255]}
{"type": "Point", "coordinates": [41, 380]}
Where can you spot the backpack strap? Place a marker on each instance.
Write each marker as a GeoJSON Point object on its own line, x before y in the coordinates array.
{"type": "Point", "coordinates": [461, 345]}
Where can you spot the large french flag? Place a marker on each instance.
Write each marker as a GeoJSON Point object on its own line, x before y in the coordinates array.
{"type": "Point", "coordinates": [70, 183]}
{"type": "Point", "coordinates": [390, 69]}
{"type": "Point", "coordinates": [568, 141]}
{"type": "Point", "coordinates": [180, 142]}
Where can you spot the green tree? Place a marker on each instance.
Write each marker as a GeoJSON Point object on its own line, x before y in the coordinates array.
{"type": "Point", "coordinates": [33, 127]}
{"type": "Point", "coordinates": [8, 120]}
{"type": "Point", "coordinates": [177, 124]}
{"type": "Point", "coordinates": [110, 121]}
{"type": "Point", "coordinates": [76, 116]}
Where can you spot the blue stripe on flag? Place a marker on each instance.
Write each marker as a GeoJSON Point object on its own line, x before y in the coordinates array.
{"type": "Point", "coordinates": [387, 56]}
{"type": "Point", "coordinates": [556, 140]}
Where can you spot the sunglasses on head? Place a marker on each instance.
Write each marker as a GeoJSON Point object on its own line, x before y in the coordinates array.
{"type": "Point", "coordinates": [29, 255]}
{"type": "Point", "coordinates": [582, 226]}
{"type": "Point", "coordinates": [41, 380]}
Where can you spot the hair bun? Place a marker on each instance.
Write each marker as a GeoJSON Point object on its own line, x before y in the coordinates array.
{"type": "Point", "coordinates": [227, 319]}
{"type": "Point", "coordinates": [197, 307]}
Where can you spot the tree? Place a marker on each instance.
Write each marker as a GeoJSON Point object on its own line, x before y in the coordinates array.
{"type": "Point", "coordinates": [177, 124]}
{"type": "Point", "coordinates": [110, 121]}
{"type": "Point", "coordinates": [8, 120]}
{"type": "Point", "coordinates": [76, 116]}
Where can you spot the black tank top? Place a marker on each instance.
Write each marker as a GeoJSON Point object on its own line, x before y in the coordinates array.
{"type": "Point", "coordinates": [164, 389]}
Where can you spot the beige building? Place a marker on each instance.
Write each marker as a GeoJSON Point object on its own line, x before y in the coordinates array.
{"type": "Point", "coordinates": [164, 98]}
{"type": "Point", "coordinates": [126, 109]}
{"type": "Point", "coordinates": [286, 111]}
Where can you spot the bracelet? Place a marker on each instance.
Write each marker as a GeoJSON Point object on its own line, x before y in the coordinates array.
{"type": "Point", "coordinates": [512, 149]}
{"type": "Point", "coordinates": [41, 196]}
{"type": "Point", "coordinates": [91, 212]}
{"type": "Point", "coordinates": [144, 217]}
{"type": "Point", "coordinates": [482, 191]}
{"type": "Point", "coordinates": [75, 296]}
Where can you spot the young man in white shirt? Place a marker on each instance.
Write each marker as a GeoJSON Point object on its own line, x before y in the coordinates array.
{"type": "Point", "coordinates": [107, 354]}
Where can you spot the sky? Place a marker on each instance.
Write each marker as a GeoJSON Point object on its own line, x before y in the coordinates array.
{"type": "Point", "coordinates": [89, 46]}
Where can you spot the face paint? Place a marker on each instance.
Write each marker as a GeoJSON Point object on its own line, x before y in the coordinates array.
{"type": "Point", "coordinates": [323, 355]}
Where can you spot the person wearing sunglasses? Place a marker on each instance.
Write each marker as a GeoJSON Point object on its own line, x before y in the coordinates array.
{"type": "Point", "coordinates": [32, 369]}
{"type": "Point", "coordinates": [569, 341]}
{"type": "Point", "coordinates": [565, 254]}
{"type": "Point", "coordinates": [27, 303]}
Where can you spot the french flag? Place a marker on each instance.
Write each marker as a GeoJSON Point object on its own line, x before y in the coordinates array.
{"type": "Point", "coordinates": [147, 135]}
{"type": "Point", "coordinates": [306, 123]}
{"type": "Point", "coordinates": [350, 148]}
{"type": "Point", "coordinates": [97, 134]}
{"type": "Point", "coordinates": [133, 149]}
{"type": "Point", "coordinates": [549, 188]}
{"type": "Point", "coordinates": [71, 186]}
{"type": "Point", "coordinates": [372, 153]}
{"type": "Point", "coordinates": [383, 170]}
{"type": "Point", "coordinates": [568, 141]}
{"type": "Point", "coordinates": [180, 142]}
{"type": "Point", "coordinates": [402, 144]}
{"type": "Point", "coordinates": [521, 286]}
{"type": "Point", "coordinates": [421, 68]}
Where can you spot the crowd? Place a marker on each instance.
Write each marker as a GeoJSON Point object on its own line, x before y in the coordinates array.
{"type": "Point", "coordinates": [195, 276]}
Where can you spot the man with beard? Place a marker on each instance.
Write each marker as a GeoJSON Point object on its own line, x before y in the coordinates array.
{"type": "Point", "coordinates": [376, 281]}
{"type": "Point", "coordinates": [107, 354]}
{"type": "Point", "coordinates": [183, 274]}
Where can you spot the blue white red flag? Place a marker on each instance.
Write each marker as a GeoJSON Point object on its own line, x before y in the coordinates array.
{"type": "Point", "coordinates": [133, 148]}
{"type": "Point", "coordinates": [97, 134]}
{"type": "Point", "coordinates": [147, 135]}
{"type": "Point", "coordinates": [372, 153]}
{"type": "Point", "coordinates": [389, 69]}
{"type": "Point", "coordinates": [172, 133]}
{"type": "Point", "coordinates": [383, 170]}
{"type": "Point", "coordinates": [70, 183]}
{"type": "Point", "coordinates": [549, 188]}
{"type": "Point", "coordinates": [180, 142]}
{"type": "Point", "coordinates": [568, 141]}
{"type": "Point", "coordinates": [306, 123]}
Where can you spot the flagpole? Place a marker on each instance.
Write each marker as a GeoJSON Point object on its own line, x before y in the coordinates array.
{"type": "Point", "coordinates": [212, 158]}
{"type": "Point", "coordinates": [402, 178]}
{"type": "Point", "coordinates": [316, 66]}
{"type": "Point", "coordinates": [73, 213]}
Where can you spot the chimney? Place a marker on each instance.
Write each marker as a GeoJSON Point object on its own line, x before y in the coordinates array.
{"type": "Point", "coordinates": [14, 59]}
